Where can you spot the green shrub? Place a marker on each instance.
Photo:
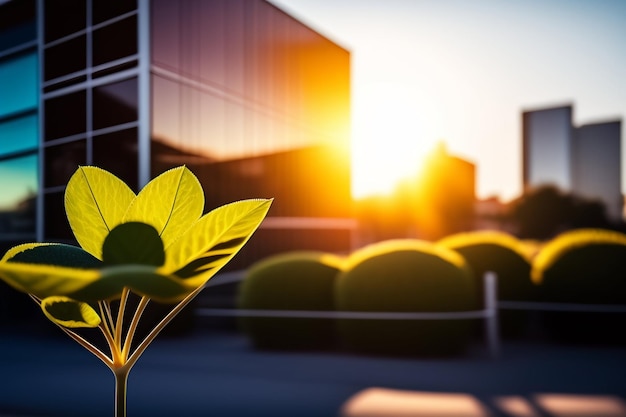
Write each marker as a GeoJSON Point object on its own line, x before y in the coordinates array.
{"type": "Point", "coordinates": [583, 266]}
{"type": "Point", "coordinates": [290, 281]}
{"type": "Point", "coordinates": [405, 276]}
{"type": "Point", "coordinates": [498, 252]}
{"type": "Point", "coordinates": [509, 258]}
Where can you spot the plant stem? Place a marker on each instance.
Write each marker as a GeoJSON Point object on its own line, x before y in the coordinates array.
{"type": "Point", "coordinates": [155, 332]}
{"type": "Point", "coordinates": [121, 379]}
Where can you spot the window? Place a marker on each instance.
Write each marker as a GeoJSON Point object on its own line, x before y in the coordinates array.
{"type": "Point", "coordinates": [105, 10]}
{"type": "Point", "coordinates": [61, 161]}
{"type": "Point", "coordinates": [62, 18]}
{"type": "Point", "coordinates": [117, 153]}
{"type": "Point", "coordinates": [18, 134]}
{"type": "Point", "coordinates": [115, 41]}
{"type": "Point", "coordinates": [65, 115]}
{"type": "Point", "coordinates": [17, 23]}
{"type": "Point", "coordinates": [65, 58]}
{"type": "Point", "coordinates": [18, 84]}
{"type": "Point", "coordinates": [55, 221]}
{"type": "Point", "coordinates": [115, 103]}
{"type": "Point", "coordinates": [19, 185]}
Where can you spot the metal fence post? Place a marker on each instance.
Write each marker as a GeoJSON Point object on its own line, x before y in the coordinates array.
{"type": "Point", "coordinates": [492, 336]}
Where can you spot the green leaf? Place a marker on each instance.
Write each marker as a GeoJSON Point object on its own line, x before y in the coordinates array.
{"type": "Point", "coordinates": [95, 202]}
{"type": "Point", "coordinates": [170, 203]}
{"type": "Point", "coordinates": [214, 240]}
{"type": "Point", "coordinates": [52, 254]}
{"type": "Point", "coordinates": [141, 279]}
{"type": "Point", "coordinates": [133, 243]}
{"type": "Point", "coordinates": [69, 313]}
{"type": "Point", "coordinates": [90, 285]}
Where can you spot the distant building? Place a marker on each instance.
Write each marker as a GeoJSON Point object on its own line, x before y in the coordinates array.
{"type": "Point", "coordinates": [596, 164]}
{"type": "Point", "coordinates": [446, 195]}
{"type": "Point", "coordinates": [547, 139]}
{"type": "Point", "coordinates": [584, 160]}
{"type": "Point", "coordinates": [256, 103]}
{"type": "Point", "coordinates": [438, 201]}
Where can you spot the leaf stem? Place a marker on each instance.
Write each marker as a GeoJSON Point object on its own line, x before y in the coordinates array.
{"type": "Point", "coordinates": [159, 327]}
{"type": "Point", "coordinates": [133, 326]}
{"type": "Point", "coordinates": [105, 313]}
{"type": "Point", "coordinates": [120, 316]}
{"type": "Point", "coordinates": [116, 356]}
{"type": "Point", "coordinates": [87, 345]}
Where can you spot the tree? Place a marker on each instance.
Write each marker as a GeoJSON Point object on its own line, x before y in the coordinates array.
{"type": "Point", "coordinates": [545, 211]}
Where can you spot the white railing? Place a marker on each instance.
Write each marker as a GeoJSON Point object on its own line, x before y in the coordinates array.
{"type": "Point", "coordinates": [489, 313]}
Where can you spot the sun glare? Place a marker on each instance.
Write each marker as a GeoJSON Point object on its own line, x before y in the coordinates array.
{"type": "Point", "coordinates": [391, 137]}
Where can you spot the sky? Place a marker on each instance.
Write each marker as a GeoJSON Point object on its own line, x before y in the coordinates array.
{"type": "Point", "coordinates": [462, 72]}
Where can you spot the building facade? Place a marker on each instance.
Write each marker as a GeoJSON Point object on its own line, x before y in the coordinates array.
{"type": "Point", "coordinates": [254, 102]}
{"type": "Point", "coordinates": [583, 160]}
{"type": "Point", "coordinates": [596, 164]}
{"type": "Point", "coordinates": [547, 138]}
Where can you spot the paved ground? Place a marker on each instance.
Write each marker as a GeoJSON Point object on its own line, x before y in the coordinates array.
{"type": "Point", "coordinates": [218, 374]}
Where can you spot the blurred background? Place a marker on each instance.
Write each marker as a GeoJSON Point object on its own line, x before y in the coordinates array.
{"type": "Point", "coordinates": [366, 121]}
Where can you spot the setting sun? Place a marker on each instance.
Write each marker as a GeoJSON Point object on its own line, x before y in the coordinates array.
{"type": "Point", "coordinates": [392, 134]}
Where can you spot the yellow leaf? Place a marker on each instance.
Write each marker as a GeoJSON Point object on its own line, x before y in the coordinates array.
{"type": "Point", "coordinates": [46, 280]}
{"type": "Point", "coordinates": [95, 202]}
{"type": "Point", "coordinates": [70, 313]}
{"type": "Point", "coordinates": [214, 240]}
{"type": "Point", "coordinates": [170, 203]}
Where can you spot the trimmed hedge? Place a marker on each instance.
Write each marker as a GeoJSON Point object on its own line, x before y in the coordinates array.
{"type": "Point", "coordinates": [302, 280]}
{"type": "Point", "coordinates": [501, 253]}
{"type": "Point", "coordinates": [509, 258]}
{"type": "Point", "coordinates": [405, 276]}
{"type": "Point", "coordinates": [585, 266]}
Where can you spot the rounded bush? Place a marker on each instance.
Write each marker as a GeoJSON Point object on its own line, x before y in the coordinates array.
{"type": "Point", "coordinates": [584, 266]}
{"type": "Point", "coordinates": [405, 276]}
{"type": "Point", "coordinates": [509, 258]}
{"type": "Point", "coordinates": [501, 253]}
{"type": "Point", "coordinates": [290, 281]}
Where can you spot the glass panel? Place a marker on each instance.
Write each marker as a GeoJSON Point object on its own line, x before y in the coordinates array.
{"type": "Point", "coordinates": [62, 18]}
{"type": "Point", "coordinates": [65, 115]}
{"type": "Point", "coordinates": [19, 134]}
{"type": "Point", "coordinates": [65, 58]}
{"type": "Point", "coordinates": [105, 10]}
{"type": "Point", "coordinates": [18, 84]}
{"type": "Point", "coordinates": [56, 226]}
{"type": "Point", "coordinates": [61, 161]}
{"type": "Point", "coordinates": [19, 185]}
{"type": "Point", "coordinates": [115, 103]}
{"type": "Point", "coordinates": [212, 50]}
{"type": "Point", "coordinates": [117, 153]}
{"type": "Point", "coordinates": [165, 33]}
{"type": "Point", "coordinates": [115, 41]}
{"type": "Point", "coordinates": [17, 23]}
{"type": "Point", "coordinates": [235, 46]}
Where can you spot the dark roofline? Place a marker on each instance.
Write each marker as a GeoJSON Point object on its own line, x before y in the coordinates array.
{"type": "Point", "coordinates": [601, 122]}
{"type": "Point", "coordinates": [560, 106]}
{"type": "Point", "coordinates": [295, 16]}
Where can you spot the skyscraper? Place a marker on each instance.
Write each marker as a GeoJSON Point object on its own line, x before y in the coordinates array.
{"type": "Point", "coordinates": [252, 100]}
{"type": "Point", "coordinates": [547, 138]}
{"type": "Point", "coordinates": [596, 164]}
{"type": "Point", "coordinates": [583, 160]}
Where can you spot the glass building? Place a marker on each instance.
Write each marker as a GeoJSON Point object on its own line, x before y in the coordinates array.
{"type": "Point", "coordinates": [596, 164]}
{"type": "Point", "coordinates": [547, 138]}
{"type": "Point", "coordinates": [584, 160]}
{"type": "Point", "coordinates": [253, 101]}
